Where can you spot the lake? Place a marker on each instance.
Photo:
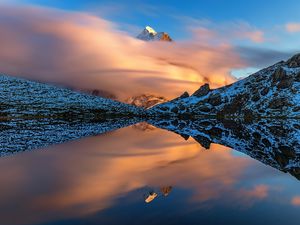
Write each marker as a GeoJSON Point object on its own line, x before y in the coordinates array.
{"type": "Point", "coordinates": [142, 174]}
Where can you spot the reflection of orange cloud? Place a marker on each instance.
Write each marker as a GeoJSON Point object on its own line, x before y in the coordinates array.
{"type": "Point", "coordinates": [88, 52]}
{"type": "Point", "coordinates": [259, 191]}
{"type": "Point", "coordinates": [83, 177]}
{"type": "Point", "coordinates": [296, 201]}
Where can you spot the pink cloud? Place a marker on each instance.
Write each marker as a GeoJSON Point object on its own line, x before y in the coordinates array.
{"type": "Point", "coordinates": [87, 52]}
{"type": "Point", "coordinates": [292, 27]}
{"type": "Point", "coordinates": [258, 192]}
{"type": "Point", "coordinates": [255, 36]}
{"type": "Point", "coordinates": [225, 32]}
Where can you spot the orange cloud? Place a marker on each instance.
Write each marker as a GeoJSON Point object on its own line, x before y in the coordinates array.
{"type": "Point", "coordinates": [87, 52]}
{"type": "Point", "coordinates": [292, 27]}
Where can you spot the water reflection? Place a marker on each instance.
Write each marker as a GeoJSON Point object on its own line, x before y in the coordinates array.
{"type": "Point", "coordinates": [108, 179]}
{"type": "Point", "coordinates": [18, 135]}
{"type": "Point", "coordinates": [273, 142]}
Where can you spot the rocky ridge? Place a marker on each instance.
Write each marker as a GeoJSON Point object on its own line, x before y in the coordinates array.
{"type": "Point", "coordinates": [271, 92]}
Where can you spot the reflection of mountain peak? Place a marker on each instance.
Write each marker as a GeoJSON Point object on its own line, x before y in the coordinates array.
{"type": "Point", "coordinates": [150, 197]}
{"type": "Point", "coordinates": [166, 190]}
{"type": "Point", "coordinates": [149, 34]}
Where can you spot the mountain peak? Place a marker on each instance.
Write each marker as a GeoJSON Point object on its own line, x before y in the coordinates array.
{"type": "Point", "coordinates": [150, 30]}
{"type": "Point", "coordinates": [149, 34]}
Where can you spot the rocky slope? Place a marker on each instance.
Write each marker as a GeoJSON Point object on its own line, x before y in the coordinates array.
{"type": "Point", "coordinates": [273, 142]}
{"type": "Point", "coordinates": [149, 34]}
{"type": "Point", "coordinates": [271, 92]}
{"type": "Point", "coordinates": [22, 99]}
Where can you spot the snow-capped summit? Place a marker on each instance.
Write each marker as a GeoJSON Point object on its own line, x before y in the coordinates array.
{"type": "Point", "coordinates": [149, 34]}
{"type": "Point", "coordinates": [151, 30]}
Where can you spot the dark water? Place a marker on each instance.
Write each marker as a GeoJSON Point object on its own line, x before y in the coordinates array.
{"type": "Point", "coordinates": [145, 175]}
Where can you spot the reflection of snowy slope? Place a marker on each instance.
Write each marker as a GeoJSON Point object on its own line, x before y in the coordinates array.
{"type": "Point", "coordinates": [273, 142]}
{"type": "Point", "coordinates": [25, 135]}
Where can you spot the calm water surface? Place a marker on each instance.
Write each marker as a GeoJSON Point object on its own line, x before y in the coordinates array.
{"type": "Point", "coordinates": [143, 175]}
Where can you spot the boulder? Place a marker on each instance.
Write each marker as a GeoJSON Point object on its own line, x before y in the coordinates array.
{"type": "Point", "coordinates": [294, 61]}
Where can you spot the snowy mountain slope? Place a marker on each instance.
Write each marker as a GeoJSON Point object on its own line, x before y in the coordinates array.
{"type": "Point", "coordinates": [27, 99]}
{"type": "Point", "coordinates": [149, 34]}
{"type": "Point", "coordinates": [274, 142]}
{"type": "Point", "coordinates": [271, 92]}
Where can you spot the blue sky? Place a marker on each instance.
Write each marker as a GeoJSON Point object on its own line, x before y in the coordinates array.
{"type": "Point", "coordinates": [162, 14]}
{"type": "Point", "coordinates": [175, 16]}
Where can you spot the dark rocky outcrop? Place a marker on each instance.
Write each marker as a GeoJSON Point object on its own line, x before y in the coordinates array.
{"type": "Point", "coordinates": [202, 91]}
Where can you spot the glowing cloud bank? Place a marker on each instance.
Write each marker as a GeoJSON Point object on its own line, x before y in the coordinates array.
{"type": "Point", "coordinates": [87, 52]}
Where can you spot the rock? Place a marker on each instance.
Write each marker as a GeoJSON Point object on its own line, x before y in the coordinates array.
{"type": "Point", "coordinates": [294, 61]}
{"type": "Point", "coordinates": [202, 91]}
{"type": "Point", "coordinates": [279, 74]}
{"type": "Point", "coordinates": [296, 109]}
{"type": "Point", "coordinates": [203, 141]}
{"type": "Point", "coordinates": [281, 159]}
{"type": "Point", "coordinates": [184, 95]}
{"type": "Point", "coordinates": [181, 107]}
{"type": "Point", "coordinates": [264, 91]}
{"type": "Point", "coordinates": [256, 135]}
{"type": "Point", "coordinates": [175, 110]}
{"type": "Point", "coordinates": [287, 151]}
{"type": "Point", "coordinates": [204, 109]}
{"type": "Point", "coordinates": [297, 77]}
{"type": "Point", "coordinates": [266, 142]}
{"type": "Point", "coordinates": [215, 100]}
{"type": "Point", "coordinates": [278, 103]}
{"type": "Point", "coordinates": [286, 83]}
{"type": "Point", "coordinates": [255, 98]}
